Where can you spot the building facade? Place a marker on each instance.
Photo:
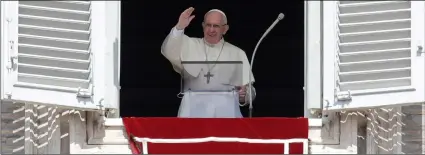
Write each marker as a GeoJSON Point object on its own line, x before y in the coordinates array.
{"type": "Point", "coordinates": [364, 77]}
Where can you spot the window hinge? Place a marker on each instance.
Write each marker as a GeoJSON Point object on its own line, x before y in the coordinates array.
{"type": "Point", "coordinates": [343, 96]}
{"type": "Point", "coordinates": [420, 50]}
{"type": "Point", "coordinates": [8, 95]}
{"type": "Point", "coordinates": [13, 60]}
{"type": "Point", "coordinates": [105, 112]}
{"type": "Point", "coordinates": [101, 107]}
{"type": "Point", "coordinates": [85, 93]}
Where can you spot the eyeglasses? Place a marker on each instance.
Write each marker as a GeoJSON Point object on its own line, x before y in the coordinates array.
{"type": "Point", "coordinates": [214, 25]}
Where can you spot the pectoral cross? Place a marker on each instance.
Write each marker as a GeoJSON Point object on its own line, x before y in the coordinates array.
{"type": "Point", "coordinates": [208, 76]}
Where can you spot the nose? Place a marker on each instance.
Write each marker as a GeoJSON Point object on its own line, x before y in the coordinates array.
{"type": "Point", "coordinates": [211, 30]}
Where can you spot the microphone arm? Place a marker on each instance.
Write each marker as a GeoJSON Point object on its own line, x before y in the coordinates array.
{"type": "Point", "coordinates": [280, 17]}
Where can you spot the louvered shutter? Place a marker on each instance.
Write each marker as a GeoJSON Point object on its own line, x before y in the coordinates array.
{"type": "Point", "coordinates": [57, 49]}
{"type": "Point", "coordinates": [372, 53]}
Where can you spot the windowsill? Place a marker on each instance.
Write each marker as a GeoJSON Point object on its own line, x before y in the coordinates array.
{"type": "Point", "coordinates": [312, 122]}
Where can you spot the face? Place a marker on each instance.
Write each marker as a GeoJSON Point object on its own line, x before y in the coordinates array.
{"type": "Point", "coordinates": [214, 27]}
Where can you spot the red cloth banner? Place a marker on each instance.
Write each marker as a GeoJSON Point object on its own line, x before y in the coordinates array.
{"type": "Point", "coordinates": [252, 128]}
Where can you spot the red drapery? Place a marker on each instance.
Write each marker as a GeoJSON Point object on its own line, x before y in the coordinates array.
{"type": "Point", "coordinates": [254, 128]}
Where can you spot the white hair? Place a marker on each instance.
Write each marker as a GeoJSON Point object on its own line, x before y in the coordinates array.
{"type": "Point", "coordinates": [219, 11]}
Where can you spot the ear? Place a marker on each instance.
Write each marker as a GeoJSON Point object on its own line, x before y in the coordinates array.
{"type": "Point", "coordinates": [226, 28]}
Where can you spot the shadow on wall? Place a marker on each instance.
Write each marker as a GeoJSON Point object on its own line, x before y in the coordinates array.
{"type": "Point", "coordinates": [116, 73]}
{"type": "Point", "coordinates": [116, 63]}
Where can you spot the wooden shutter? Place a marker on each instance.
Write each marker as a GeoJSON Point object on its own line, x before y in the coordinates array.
{"type": "Point", "coordinates": [372, 53]}
{"type": "Point", "coordinates": [57, 49]}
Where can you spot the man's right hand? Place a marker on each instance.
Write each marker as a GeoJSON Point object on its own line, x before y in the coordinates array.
{"type": "Point", "coordinates": [185, 18]}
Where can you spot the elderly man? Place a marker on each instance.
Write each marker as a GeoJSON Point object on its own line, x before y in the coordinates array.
{"type": "Point", "coordinates": [215, 73]}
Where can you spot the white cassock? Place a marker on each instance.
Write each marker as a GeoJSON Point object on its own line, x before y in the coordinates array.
{"type": "Point", "coordinates": [214, 96]}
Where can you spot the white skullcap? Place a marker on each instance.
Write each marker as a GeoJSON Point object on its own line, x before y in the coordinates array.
{"type": "Point", "coordinates": [219, 11]}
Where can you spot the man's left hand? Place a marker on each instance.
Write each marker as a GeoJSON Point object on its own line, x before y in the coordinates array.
{"type": "Point", "coordinates": [242, 94]}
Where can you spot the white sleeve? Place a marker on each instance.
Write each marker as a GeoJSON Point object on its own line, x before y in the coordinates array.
{"type": "Point", "coordinates": [176, 32]}
{"type": "Point", "coordinates": [172, 47]}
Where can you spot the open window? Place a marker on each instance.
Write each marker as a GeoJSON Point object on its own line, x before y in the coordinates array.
{"type": "Point", "coordinates": [373, 53]}
{"type": "Point", "coordinates": [60, 53]}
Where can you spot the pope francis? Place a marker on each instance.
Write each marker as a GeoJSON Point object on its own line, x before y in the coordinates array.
{"type": "Point", "coordinates": [216, 73]}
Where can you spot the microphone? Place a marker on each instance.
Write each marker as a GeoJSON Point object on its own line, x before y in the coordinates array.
{"type": "Point", "coordinates": [279, 17]}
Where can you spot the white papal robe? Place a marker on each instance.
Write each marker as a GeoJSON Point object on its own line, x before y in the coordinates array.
{"type": "Point", "coordinates": [210, 99]}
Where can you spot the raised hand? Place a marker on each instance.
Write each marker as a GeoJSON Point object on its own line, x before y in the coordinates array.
{"type": "Point", "coordinates": [185, 18]}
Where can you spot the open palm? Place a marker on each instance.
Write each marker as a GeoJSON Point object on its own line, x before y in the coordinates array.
{"type": "Point", "coordinates": [185, 18]}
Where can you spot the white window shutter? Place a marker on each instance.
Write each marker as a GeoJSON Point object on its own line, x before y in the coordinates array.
{"type": "Point", "coordinates": [59, 48]}
{"type": "Point", "coordinates": [312, 42]}
{"type": "Point", "coordinates": [372, 53]}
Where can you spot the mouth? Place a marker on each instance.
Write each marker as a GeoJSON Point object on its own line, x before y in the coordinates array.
{"type": "Point", "coordinates": [212, 35]}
